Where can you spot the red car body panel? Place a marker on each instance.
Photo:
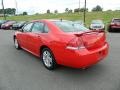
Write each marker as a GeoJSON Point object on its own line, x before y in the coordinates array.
{"type": "Point", "coordinates": [57, 40]}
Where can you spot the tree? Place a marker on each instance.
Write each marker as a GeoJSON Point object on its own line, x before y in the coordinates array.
{"type": "Point", "coordinates": [56, 11]}
{"type": "Point", "coordinates": [25, 13]}
{"type": "Point", "coordinates": [76, 10]}
{"type": "Point", "coordinates": [117, 10]}
{"type": "Point", "coordinates": [97, 8]}
{"type": "Point", "coordinates": [36, 13]}
{"type": "Point", "coordinates": [70, 11]}
{"type": "Point", "coordinates": [109, 10]}
{"type": "Point", "coordinates": [80, 10]}
{"type": "Point", "coordinates": [10, 11]}
{"type": "Point", "coordinates": [66, 10]}
{"type": "Point", "coordinates": [48, 11]}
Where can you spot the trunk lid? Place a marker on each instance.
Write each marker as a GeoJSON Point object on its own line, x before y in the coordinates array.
{"type": "Point", "coordinates": [93, 39]}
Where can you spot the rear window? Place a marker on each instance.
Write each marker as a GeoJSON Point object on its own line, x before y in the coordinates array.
{"type": "Point", "coordinates": [116, 20]}
{"type": "Point", "coordinates": [68, 26]}
{"type": "Point", "coordinates": [11, 22]}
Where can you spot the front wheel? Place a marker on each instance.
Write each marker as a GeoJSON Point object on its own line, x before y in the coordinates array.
{"type": "Point", "coordinates": [48, 59]}
{"type": "Point", "coordinates": [16, 44]}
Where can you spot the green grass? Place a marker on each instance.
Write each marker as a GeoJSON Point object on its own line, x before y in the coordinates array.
{"type": "Point", "coordinates": [105, 16]}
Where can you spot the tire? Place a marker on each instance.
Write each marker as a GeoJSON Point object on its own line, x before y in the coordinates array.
{"type": "Point", "coordinates": [48, 59]}
{"type": "Point", "coordinates": [16, 44]}
{"type": "Point", "coordinates": [109, 29]}
{"type": "Point", "coordinates": [11, 28]}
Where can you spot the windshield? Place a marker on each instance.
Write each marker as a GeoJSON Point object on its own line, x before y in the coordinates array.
{"type": "Point", "coordinates": [68, 26]}
{"type": "Point", "coordinates": [79, 22]}
{"type": "Point", "coordinates": [80, 27]}
{"type": "Point", "coordinates": [2, 21]}
{"type": "Point", "coordinates": [20, 23]}
{"type": "Point", "coordinates": [97, 22]}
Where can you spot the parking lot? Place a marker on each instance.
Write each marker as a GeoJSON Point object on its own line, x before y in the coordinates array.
{"type": "Point", "coordinates": [20, 70]}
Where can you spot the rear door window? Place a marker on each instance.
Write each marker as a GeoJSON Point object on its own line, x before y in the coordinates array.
{"type": "Point", "coordinates": [38, 27]}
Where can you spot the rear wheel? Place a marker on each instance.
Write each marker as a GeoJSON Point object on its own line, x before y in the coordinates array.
{"type": "Point", "coordinates": [11, 28]}
{"type": "Point", "coordinates": [109, 29]}
{"type": "Point", "coordinates": [48, 59]}
{"type": "Point", "coordinates": [17, 46]}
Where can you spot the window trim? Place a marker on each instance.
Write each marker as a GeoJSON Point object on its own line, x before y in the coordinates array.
{"type": "Point", "coordinates": [35, 23]}
{"type": "Point", "coordinates": [26, 25]}
{"type": "Point", "coordinates": [44, 28]}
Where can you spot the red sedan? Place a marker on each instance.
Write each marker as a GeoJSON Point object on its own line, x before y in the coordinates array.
{"type": "Point", "coordinates": [114, 25]}
{"type": "Point", "coordinates": [59, 42]}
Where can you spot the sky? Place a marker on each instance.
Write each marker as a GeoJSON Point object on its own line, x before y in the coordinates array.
{"type": "Point", "coordinates": [41, 6]}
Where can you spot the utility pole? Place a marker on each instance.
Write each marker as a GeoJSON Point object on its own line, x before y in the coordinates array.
{"type": "Point", "coordinates": [16, 7]}
{"type": "Point", "coordinates": [85, 13]}
{"type": "Point", "coordinates": [79, 6]}
{"type": "Point", "coordinates": [3, 10]}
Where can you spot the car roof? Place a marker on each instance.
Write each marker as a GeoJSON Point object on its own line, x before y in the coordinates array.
{"type": "Point", "coordinates": [115, 18]}
{"type": "Point", "coordinates": [52, 20]}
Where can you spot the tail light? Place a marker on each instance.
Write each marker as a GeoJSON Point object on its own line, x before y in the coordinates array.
{"type": "Point", "coordinates": [75, 44]}
{"type": "Point", "coordinates": [113, 24]}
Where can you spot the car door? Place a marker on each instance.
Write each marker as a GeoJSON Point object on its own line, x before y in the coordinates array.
{"type": "Point", "coordinates": [34, 40]}
{"type": "Point", "coordinates": [23, 36]}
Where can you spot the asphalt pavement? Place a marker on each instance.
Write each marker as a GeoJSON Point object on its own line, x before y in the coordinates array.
{"type": "Point", "coordinates": [20, 70]}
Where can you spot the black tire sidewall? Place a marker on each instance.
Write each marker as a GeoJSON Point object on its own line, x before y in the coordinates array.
{"type": "Point", "coordinates": [110, 29]}
{"type": "Point", "coordinates": [18, 43]}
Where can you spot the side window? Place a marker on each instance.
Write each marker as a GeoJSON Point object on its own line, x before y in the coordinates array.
{"type": "Point", "coordinates": [27, 28]}
{"type": "Point", "coordinates": [38, 27]}
{"type": "Point", "coordinates": [46, 29]}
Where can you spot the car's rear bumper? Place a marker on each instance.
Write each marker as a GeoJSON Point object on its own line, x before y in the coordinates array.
{"type": "Point", "coordinates": [115, 27]}
{"type": "Point", "coordinates": [84, 58]}
{"type": "Point", "coordinates": [4, 27]}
